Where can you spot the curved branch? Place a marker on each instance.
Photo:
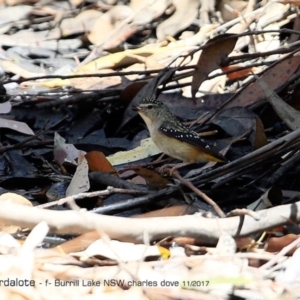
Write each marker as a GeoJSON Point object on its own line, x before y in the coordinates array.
{"type": "Point", "coordinates": [130, 229]}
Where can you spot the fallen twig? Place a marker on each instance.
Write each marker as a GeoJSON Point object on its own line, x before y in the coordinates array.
{"type": "Point", "coordinates": [208, 200]}
{"type": "Point", "coordinates": [110, 190]}
{"type": "Point", "coordinates": [130, 229]}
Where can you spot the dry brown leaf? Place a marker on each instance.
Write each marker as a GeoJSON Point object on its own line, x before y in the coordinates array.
{"type": "Point", "coordinates": [83, 22]}
{"type": "Point", "coordinates": [245, 243]}
{"type": "Point", "coordinates": [131, 90]}
{"type": "Point", "coordinates": [260, 136]}
{"type": "Point", "coordinates": [274, 77]}
{"type": "Point", "coordinates": [296, 26]}
{"type": "Point", "coordinates": [106, 23]}
{"type": "Point", "coordinates": [153, 178]}
{"type": "Point", "coordinates": [79, 243]}
{"type": "Point", "coordinates": [213, 54]}
{"type": "Point", "coordinates": [98, 162]}
{"type": "Point", "coordinates": [185, 13]}
{"type": "Point", "coordinates": [275, 244]}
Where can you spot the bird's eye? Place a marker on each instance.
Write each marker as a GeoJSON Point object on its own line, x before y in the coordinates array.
{"type": "Point", "coordinates": [150, 106]}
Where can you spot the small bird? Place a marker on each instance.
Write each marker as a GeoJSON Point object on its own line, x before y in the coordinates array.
{"type": "Point", "coordinates": [172, 137]}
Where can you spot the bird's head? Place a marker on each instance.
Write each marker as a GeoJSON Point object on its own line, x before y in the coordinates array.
{"type": "Point", "coordinates": [151, 110]}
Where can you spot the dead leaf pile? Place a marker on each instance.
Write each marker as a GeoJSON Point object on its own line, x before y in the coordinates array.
{"type": "Point", "coordinates": [86, 211]}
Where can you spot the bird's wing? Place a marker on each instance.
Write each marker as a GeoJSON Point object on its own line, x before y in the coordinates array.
{"type": "Point", "coordinates": [191, 137]}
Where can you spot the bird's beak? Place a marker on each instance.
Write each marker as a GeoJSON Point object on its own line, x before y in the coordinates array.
{"type": "Point", "coordinates": [136, 108]}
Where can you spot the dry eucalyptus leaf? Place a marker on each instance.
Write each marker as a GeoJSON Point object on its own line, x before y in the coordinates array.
{"type": "Point", "coordinates": [15, 198]}
{"type": "Point", "coordinates": [5, 107]}
{"type": "Point", "coordinates": [96, 83]}
{"type": "Point", "coordinates": [146, 149]}
{"type": "Point", "coordinates": [98, 162]}
{"type": "Point", "coordinates": [185, 14]}
{"type": "Point", "coordinates": [214, 85]}
{"type": "Point", "coordinates": [18, 70]}
{"type": "Point", "coordinates": [64, 152]}
{"type": "Point", "coordinates": [80, 182]}
{"type": "Point", "coordinates": [118, 251]}
{"type": "Point", "coordinates": [236, 8]}
{"type": "Point", "coordinates": [276, 244]}
{"type": "Point", "coordinates": [15, 125]}
{"type": "Point", "coordinates": [274, 77]}
{"type": "Point", "coordinates": [148, 10]}
{"type": "Point", "coordinates": [226, 244]}
{"type": "Point", "coordinates": [273, 12]}
{"type": "Point", "coordinates": [106, 23]}
{"type": "Point", "coordinates": [11, 14]}
{"type": "Point", "coordinates": [215, 51]}
{"type": "Point", "coordinates": [83, 22]}
{"type": "Point", "coordinates": [271, 197]}
{"type": "Point", "coordinates": [260, 139]}
{"type": "Point", "coordinates": [287, 114]}
{"type": "Point", "coordinates": [152, 178]}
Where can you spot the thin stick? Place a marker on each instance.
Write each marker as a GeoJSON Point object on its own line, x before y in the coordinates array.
{"type": "Point", "coordinates": [208, 200]}
{"type": "Point", "coordinates": [110, 190]}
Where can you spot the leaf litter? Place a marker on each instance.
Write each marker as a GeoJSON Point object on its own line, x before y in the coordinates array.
{"type": "Point", "coordinates": [109, 224]}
